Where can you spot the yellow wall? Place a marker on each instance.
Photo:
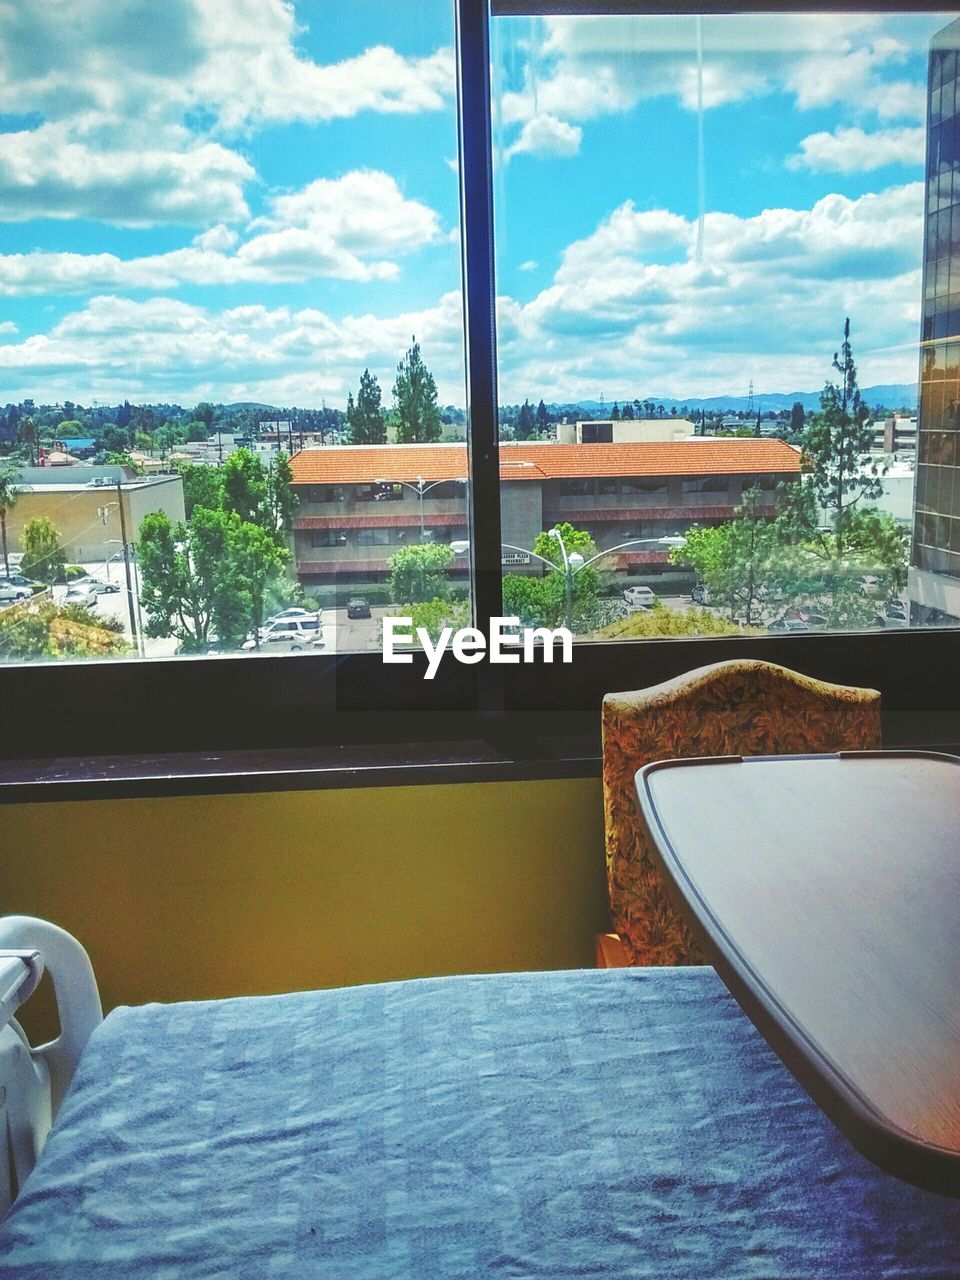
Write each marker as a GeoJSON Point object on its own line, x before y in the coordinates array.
{"type": "Point", "coordinates": [195, 897]}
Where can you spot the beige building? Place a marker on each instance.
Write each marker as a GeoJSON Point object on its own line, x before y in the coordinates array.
{"type": "Point", "coordinates": [84, 505]}
{"type": "Point", "coordinates": [625, 431]}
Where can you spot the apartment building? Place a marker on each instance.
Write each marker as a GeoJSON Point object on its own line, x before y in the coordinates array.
{"type": "Point", "coordinates": [359, 504]}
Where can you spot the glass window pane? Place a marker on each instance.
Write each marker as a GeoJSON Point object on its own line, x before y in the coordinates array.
{"type": "Point", "coordinates": [241, 260]}
{"type": "Point", "coordinates": [694, 310]}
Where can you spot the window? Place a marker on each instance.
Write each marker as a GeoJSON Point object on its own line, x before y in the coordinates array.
{"type": "Point", "coordinates": [637, 294]}
{"type": "Point", "coordinates": [381, 537]}
{"type": "Point", "coordinates": [607, 308]}
{"type": "Point", "coordinates": [240, 281]}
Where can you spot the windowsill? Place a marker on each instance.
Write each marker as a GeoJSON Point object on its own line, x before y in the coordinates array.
{"type": "Point", "coordinates": [294, 769]}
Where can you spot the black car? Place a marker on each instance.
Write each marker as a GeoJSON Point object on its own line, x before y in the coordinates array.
{"type": "Point", "coordinates": [358, 607]}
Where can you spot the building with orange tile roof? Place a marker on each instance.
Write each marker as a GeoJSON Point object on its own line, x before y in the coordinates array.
{"type": "Point", "coordinates": [360, 503]}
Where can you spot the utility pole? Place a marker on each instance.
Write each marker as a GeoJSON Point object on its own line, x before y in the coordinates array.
{"type": "Point", "coordinates": [135, 635]}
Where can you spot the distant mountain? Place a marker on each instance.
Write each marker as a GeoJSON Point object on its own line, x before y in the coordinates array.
{"type": "Point", "coordinates": [891, 394]}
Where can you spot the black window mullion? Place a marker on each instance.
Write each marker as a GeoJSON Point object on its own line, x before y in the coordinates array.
{"type": "Point", "coordinates": [479, 312]}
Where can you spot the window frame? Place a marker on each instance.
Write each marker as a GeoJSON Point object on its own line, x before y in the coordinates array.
{"type": "Point", "coordinates": [209, 704]}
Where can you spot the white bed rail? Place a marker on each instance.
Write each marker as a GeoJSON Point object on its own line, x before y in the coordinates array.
{"type": "Point", "coordinates": [34, 1080]}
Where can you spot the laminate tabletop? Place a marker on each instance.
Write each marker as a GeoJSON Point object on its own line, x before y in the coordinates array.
{"type": "Point", "coordinates": [826, 890]}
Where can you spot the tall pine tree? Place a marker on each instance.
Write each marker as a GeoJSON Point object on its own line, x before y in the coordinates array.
{"type": "Point", "coordinates": [365, 421]}
{"type": "Point", "coordinates": [525, 421]}
{"type": "Point", "coordinates": [415, 400]}
{"type": "Point", "coordinates": [837, 444]}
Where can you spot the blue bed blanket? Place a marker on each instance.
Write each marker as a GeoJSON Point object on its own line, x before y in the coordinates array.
{"type": "Point", "coordinates": [609, 1125]}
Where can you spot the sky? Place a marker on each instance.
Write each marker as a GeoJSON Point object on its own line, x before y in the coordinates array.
{"type": "Point", "coordinates": [255, 200]}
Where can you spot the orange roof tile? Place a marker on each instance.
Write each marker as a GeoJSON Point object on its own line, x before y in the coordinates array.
{"type": "Point", "coordinates": [365, 464]}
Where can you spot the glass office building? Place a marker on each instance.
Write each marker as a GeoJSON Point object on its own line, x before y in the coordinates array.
{"type": "Point", "coordinates": [935, 569]}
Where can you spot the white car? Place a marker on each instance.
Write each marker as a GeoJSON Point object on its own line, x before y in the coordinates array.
{"type": "Point", "coordinates": [82, 594]}
{"type": "Point", "coordinates": [293, 612]}
{"type": "Point", "coordinates": [97, 585]}
{"type": "Point", "coordinates": [639, 598]}
{"type": "Point", "coordinates": [288, 635]}
{"type": "Point", "coordinates": [9, 593]}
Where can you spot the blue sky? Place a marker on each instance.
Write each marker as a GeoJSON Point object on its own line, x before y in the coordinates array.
{"type": "Point", "coordinates": [254, 200]}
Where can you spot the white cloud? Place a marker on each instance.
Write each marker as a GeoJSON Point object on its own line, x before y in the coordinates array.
{"type": "Point", "coordinates": [218, 239]}
{"type": "Point", "coordinates": [852, 150]}
{"type": "Point", "coordinates": [629, 309]}
{"type": "Point", "coordinates": [629, 305]}
{"type": "Point", "coordinates": [138, 102]}
{"type": "Point", "coordinates": [51, 171]}
{"type": "Point", "coordinates": [581, 68]}
{"type": "Point", "coordinates": [8, 326]}
{"type": "Point", "coordinates": [349, 228]}
{"type": "Point", "coordinates": [546, 135]}
{"type": "Point", "coordinates": [529, 265]}
{"type": "Point", "coordinates": [165, 348]}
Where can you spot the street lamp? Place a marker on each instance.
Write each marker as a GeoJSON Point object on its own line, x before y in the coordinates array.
{"type": "Point", "coordinates": [573, 561]}
{"type": "Point", "coordinates": [421, 487]}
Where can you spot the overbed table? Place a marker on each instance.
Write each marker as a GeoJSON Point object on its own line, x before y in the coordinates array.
{"type": "Point", "coordinates": [826, 891]}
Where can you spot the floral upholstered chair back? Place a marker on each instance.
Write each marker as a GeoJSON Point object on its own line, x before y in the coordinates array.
{"type": "Point", "coordinates": [731, 708]}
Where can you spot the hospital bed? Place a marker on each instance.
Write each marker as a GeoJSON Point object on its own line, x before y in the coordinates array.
{"type": "Point", "coordinates": [603, 1124]}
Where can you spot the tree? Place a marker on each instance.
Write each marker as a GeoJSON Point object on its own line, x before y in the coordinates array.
{"type": "Point", "coordinates": [736, 561]}
{"type": "Point", "coordinates": [542, 420]}
{"type": "Point", "coordinates": [245, 486]}
{"type": "Point", "coordinates": [9, 493]}
{"type": "Point", "coordinates": [207, 414]}
{"type": "Point", "coordinates": [627, 412]}
{"type": "Point", "coordinates": [797, 419]}
{"type": "Point", "coordinates": [365, 420]}
{"type": "Point", "coordinates": [29, 437]}
{"type": "Point", "coordinates": [542, 602]}
{"type": "Point", "coordinates": [205, 578]}
{"type": "Point", "coordinates": [281, 501]}
{"type": "Point", "coordinates": [415, 400]}
{"type": "Point", "coordinates": [419, 573]}
{"type": "Point", "coordinates": [202, 487]}
{"type": "Point", "coordinates": [837, 443]}
{"type": "Point", "coordinates": [115, 439]}
{"type": "Point", "coordinates": [164, 439]}
{"type": "Point", "coordinates": [43, 555]}
{"type": "Point", "coordinates": [124, 460]}
{"type": "Point", "coordinates": [615, 412]}
{"type": "Point", "coordinates": [526, 423]}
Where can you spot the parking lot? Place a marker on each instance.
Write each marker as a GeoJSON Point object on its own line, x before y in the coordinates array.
{"type": "Point", "coordinates": [357, 635]}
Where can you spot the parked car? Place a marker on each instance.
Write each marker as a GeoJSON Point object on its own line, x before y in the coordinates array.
{"type": "Point", "coordinates": [700, 594]}
{"type": "Point", "coordinates": [639, 597]}
{"type": "Point", "coordinates": [81, 593]}
{"type": "Point", "coordinates": [358, 607]}
{"type": "Point", "coordinates": [293, 612]}
{"type": "Point", "coordinates": [96, 585]}
{"type": "Point", "coordinates": [10, 593]}
{"type": "Point", "coordinates": [896, 610]}
{"type": "Point", "coordinates": [288, 635]}
{"type": "Point", "coordinates": [18, 580]}
{"type": "Point", "coordinates": [788, 624]}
